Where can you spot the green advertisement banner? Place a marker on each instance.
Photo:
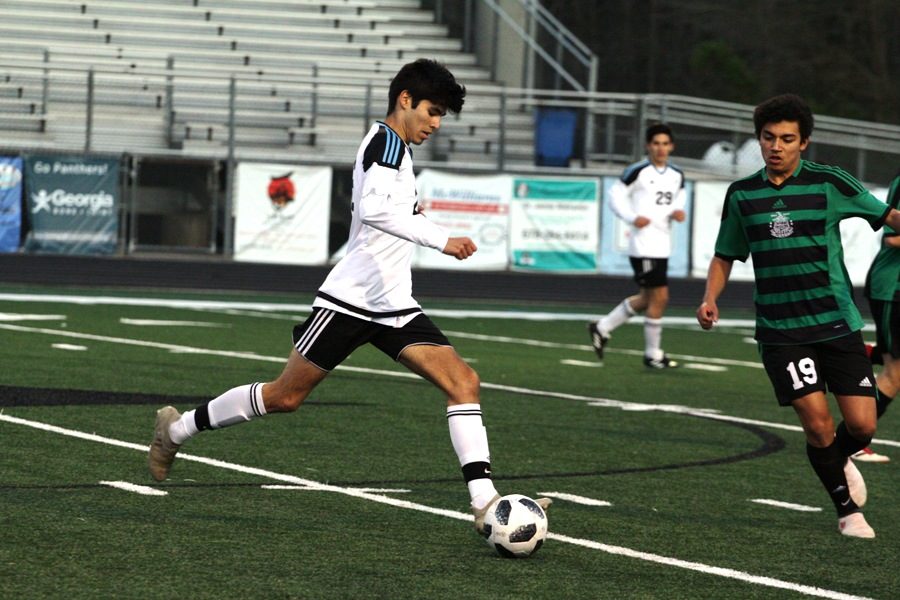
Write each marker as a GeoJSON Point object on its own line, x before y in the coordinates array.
{"type": "Point", "coordinates": [553, 224]}
{"type": "Point", "coordinates": [72, 204]}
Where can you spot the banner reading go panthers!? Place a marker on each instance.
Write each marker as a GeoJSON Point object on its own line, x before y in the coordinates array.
{"type": "Point", "coordinates": [72, 204]}
{"type": "Point", "coordinates": [10, 203]}
{"type": "Point", "coordinates": [553, 224]}
{"type": "Point", "coordinates": [282, 213]}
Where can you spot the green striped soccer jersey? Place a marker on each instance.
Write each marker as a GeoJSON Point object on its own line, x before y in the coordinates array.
{"type": "Point", "coordinates": [803, 293]}
{"type": "Point", "coordinates": [883, 280]}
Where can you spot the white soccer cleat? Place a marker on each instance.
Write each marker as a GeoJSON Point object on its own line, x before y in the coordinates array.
{"type": "Point", "coordinates": [855, 526]}
{"type": "Point", "coordinates": [162, 448]}
{"type": "Point", "coordinates": [856, 484]}
{"type": "Point", "coordinates": [869, 455]}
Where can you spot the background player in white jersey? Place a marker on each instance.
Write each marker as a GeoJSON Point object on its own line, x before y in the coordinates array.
{"type": "Point", "coordinates": [648, 196]}
{"type": "Point", "coordinates": [367, 296]}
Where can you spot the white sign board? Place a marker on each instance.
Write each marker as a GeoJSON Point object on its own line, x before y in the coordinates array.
{"type": "Point", "coordinates": [282, 213]}
{"type": "Point", "coordinates": [472, 206]}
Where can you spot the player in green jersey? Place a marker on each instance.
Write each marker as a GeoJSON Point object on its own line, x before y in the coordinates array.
{"type": "Point", "coordinates": [883, 292]}
{"type": "Point", "coordinates": [787, 216]}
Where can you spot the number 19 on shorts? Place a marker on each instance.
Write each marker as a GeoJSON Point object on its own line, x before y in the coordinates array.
{"type": "Point", "coordinates": [802, 373]}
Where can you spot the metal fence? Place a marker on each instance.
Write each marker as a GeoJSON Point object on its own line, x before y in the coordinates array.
{"type": "Point", "coordinates": [179, 112]}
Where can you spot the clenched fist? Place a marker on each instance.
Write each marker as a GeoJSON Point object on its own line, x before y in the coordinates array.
{"type": "Point", "coordinates": [460, 248]}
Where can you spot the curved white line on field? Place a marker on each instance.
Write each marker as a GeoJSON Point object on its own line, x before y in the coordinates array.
{"type": "Point", "coordinates": [382, 499]}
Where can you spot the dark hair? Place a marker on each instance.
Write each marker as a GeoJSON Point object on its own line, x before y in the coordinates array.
{"type": "Point", "coordinates": [427, 79]}
{"type": "Point", "coordinates": [786, 107]}
{"type": "Point", "coordinates": [656, 129]}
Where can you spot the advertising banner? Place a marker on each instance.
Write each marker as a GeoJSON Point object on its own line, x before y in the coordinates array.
{"type": "Point", "coordinates": [10, 203]}
{"type": "Point", "coordinates": [709, 197]}
{"type": "Point", "coordinates": [282, 213]}
{"type": "Point", "coordinates": [73, 204]}
{"type": "Point", "coordinates": [614, 234]}
{"type": "Point", "coordinates": [553, 224]}
{"type": "Point", "coordinates": [472, 206]}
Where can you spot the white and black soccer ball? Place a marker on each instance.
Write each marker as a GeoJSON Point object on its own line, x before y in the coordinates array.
{"type": "Point", "coordinates": [515, 526]}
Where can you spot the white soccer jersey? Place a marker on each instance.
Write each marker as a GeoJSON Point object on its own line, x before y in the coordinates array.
{"type": "Point", "coordinates": [373, 281]}
{"type": "Point", "coordinates": [645, 191]}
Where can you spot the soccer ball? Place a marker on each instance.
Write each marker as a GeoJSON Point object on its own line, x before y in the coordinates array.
{"type": "Point", "coordinates": [515, 526]}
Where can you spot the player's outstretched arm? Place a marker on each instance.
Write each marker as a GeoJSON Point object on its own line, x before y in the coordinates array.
{"type": "Point", "coordinates": [717, 277]}
{"type": "Point", "coordinates": [460, 248]}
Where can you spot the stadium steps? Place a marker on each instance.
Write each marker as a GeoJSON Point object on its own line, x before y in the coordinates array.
{"type": "Point", "coordinates": [233, 31]}
{"type": "Point", "coordinates": [350, 42]}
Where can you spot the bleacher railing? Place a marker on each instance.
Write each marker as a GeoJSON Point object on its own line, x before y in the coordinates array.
{"type": "Point", "coordinates": [176, 111]}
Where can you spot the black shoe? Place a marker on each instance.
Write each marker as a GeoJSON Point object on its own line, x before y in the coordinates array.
{"type": "Point", "coordinates": [598, 340]}
{"type": "Point", "coordinates": [660, 363]}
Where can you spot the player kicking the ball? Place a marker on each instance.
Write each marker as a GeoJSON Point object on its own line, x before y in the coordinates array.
{"type": "Point", "coordinates": [367, 296]}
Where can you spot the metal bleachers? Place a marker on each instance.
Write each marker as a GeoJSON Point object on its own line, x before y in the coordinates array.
{"type": "Point", "coordinates": [155, 76]}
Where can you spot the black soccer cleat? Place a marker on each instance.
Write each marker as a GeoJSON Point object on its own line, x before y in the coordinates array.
{"type": "Point", "coordinates": [660, 363]}
{"type": "Point", "coordinates": [598, 340]}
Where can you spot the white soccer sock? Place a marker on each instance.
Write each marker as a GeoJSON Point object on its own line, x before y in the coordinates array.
{"type": "Point", "coordinates": [481, 491]}
{"type": "Point", "coordinates": [653, 338]}
{"type": "Point", "coordinates": [469, 439]}
{"type": "Point", "coordinates": [617, 316]}
{"type": "Point", "coordinates": [184, 428]}
{"type": "Point", "coordinates": [237, 405]}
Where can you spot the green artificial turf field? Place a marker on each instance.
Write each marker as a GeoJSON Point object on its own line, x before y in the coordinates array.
{"type": "Point", "coordinates": [359, 494]}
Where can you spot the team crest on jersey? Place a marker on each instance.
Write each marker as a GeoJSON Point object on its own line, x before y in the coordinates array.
{"type": "Point", "coordinates": [781, 225]}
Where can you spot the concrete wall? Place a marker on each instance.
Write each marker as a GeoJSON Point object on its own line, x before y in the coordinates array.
{"type": "Point", "coordinates": [511, 47]}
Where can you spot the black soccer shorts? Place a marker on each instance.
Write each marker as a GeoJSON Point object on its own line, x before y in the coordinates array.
{"type": "Point", "coordinates": [328, 337]}
{"type": "Point", "coordinates": [887, 326]}
{"type": "Point", "coordinates": [650, 272]}
{"type": "Point", "coordinates": [839, 366]}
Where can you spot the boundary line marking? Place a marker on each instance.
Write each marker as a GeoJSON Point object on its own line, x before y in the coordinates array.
{"type": "Point", "coordinates": [590, 400]}
{"type": "Point", "coordinates": [356, 493]}
{"type": "Point", "coordinates": [788, 505]}
{"type": "Point", "coordinates": [144, 490]}
{"type": "Point", "coordinates": [576, 499]}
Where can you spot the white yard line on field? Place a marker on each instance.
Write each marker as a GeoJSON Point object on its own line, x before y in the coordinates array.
{"type": "Point", "coordinates": [169, 323]}
{"type": "Point", "coordinates": [728, 362]}
{"type": "Point", "coordinates": [24, 317]}
{"type": "Point", "coordinates": [381, 499]}
{"type": "Point", "coordinates": [592, 364]}
{"type": "Point", "coordinates": [787, 505]}
{"type": "Point", "coordinates": [75, 347]}
{"type": "Point", "coordinates": [306, 488]}
{"type": "Point", "coordinates": [263, 308]}
{"type": "Point", "coordinates": [705, 367]}
{"type": "Point", "coordinates": [133, 487]}
{"type": "Point", "coordinates": [576, 499]}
